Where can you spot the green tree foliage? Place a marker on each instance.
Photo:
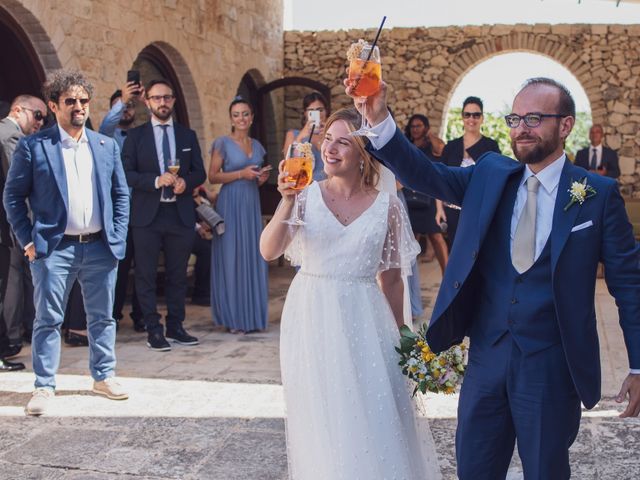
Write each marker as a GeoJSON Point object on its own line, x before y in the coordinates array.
{"type": "Point", "coordinates": [495, 127]}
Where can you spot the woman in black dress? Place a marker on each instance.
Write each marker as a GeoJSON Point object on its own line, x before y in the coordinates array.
{"type": "Point", "coordinates": [422, 208]}
{"type": "Point", "coordinates": [464, 152]}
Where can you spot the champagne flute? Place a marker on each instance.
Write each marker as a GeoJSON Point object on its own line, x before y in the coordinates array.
{"type": "Point", "coordinates": [299, 166]}
{"type": "Point", "coordinates": [173, 165]}
{"type": "Point", "coordinates": [365, 73]}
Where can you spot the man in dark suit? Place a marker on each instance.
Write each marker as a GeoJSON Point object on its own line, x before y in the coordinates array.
{"type": "Point", "coordinates": [27, 115]}
{"type": "Point", "coordinates": [76, 188]}
{"type": "Point", "coordinates": [162, 211]}
{"type": "Point", "coordinates": [520, 283]}
{"type": "Point", "coordinates": [6, 350]}
{"type": "Point", "coordinates": [598, 158]}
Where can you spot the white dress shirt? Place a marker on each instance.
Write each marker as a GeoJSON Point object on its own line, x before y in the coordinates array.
{"type": "Point", "coordinates": [549, 178]}
{"type": "Point", "coordinates": [82, 192]}
{"type": "Point", "coordinates": [158, 133]}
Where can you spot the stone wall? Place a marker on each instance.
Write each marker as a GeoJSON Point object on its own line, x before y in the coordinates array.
{"type": "Point", "coordinates": [211, 44]}
{"type": "Point", "coordinates": [423, 66]}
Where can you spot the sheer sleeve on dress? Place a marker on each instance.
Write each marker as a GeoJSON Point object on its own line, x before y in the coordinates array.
{"type": "Point", "coordinates": [293, 253]}
{"type": "Point", "coordinates": [400, 247]}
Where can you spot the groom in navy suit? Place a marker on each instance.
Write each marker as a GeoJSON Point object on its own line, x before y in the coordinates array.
{"type": "Point", "coordinates": [521, 281]}
{"type": "Point", "coordinates": [74, 183]}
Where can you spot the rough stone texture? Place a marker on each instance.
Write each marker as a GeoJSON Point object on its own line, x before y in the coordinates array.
{"type": "Point", "coordinates": [211, 45]}
{"type": "Point", "coordinates": [423, 66]}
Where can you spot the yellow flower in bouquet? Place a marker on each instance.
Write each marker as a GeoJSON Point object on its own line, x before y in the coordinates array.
{"type": "Point", "coordinates": [437, 373]}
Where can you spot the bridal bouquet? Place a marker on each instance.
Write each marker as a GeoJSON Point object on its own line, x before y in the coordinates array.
{"type": "Point", "coordinates": [440, 373]}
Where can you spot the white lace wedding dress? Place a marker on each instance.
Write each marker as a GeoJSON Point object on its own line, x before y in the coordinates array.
{"type": "Point", "coordinates": [349, 410]}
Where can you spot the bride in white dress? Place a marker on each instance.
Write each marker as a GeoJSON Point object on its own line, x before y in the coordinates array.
{"type": "Point", "coordinates": [349, 410]}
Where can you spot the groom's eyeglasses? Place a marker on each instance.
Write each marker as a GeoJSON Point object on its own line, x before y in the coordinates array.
{"type": "Point", "coordinates": [531, 120]}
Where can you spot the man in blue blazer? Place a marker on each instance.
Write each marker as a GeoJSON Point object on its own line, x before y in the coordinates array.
{"type": "Point", "coordinates": [76, 188]}
{"type": "Point", "coordinates": [520, 283]}
{"type": "Point", "coordinates": [163, 216]}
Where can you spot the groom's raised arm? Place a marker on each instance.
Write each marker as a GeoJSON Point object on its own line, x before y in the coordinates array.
{"type": "Point", "coordinates": [411, 166]}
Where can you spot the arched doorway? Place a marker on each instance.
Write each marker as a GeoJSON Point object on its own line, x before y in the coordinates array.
{"type": "Point", "coordinates": [24, 61]}
{"type": "Point", "coordinates": [496, 80]}
{"type": "Point", "coordinates": [277, 107]}
{"type": "Point", "coordinates": [159, 60]}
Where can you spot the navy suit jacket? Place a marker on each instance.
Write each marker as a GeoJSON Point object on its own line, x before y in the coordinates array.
{"type": "Point", "coordinates": [609, 160]}
{"type": "Point", "coordinates": [141, 166]}
{"type": "Point", "coordinates": [574, 255]}
{"type": "Point", "coordinates": [37, 174]}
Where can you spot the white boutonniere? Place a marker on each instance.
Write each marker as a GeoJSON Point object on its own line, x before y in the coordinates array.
{"type": "Point", "coordinates": [579, 192]}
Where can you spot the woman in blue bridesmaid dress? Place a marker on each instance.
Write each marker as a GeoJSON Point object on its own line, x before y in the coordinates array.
{"type": "Point", "coordinates": [238, 272]}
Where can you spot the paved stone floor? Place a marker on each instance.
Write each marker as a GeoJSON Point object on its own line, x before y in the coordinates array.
{"type": "Point", "coordinates": [216, 411]}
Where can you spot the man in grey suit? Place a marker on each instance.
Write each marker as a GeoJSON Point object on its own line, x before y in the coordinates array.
{"type": "Point", "coordinates": [26, 116]}
{"type": "Point", "coordinates": [73, 180]}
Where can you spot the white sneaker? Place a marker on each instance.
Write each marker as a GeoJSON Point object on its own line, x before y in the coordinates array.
{"type": "Point", "coordinates": [110, 388]}
{"type": "Point", "coordinates": [39, 401]}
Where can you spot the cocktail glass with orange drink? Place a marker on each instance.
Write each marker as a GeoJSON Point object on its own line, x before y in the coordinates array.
{"type": "Point", "coordinates": [299, 168]}
{"type": "Point", "coordinates": [365, 73]}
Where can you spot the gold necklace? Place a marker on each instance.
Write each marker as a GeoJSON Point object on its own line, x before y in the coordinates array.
{"type": "Point", "coordinates": [343, 218]}
{"type": "Point", "coordinates": [346, 197]}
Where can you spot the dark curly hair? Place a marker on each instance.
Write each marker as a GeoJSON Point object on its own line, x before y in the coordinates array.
{"type": "Point", "coordinates": [60, 81]}
{"type": "Point", "coordinates": [415, 116]}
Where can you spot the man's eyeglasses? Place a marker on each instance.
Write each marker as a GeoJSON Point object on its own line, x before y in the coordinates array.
{"type": "Point", "coordinates": [531, 120]}
{"type": "Point", "coordinates": [70, 102]}
{"type": "Point", "coordinates": [475, 115]}
{"type": "Point", "coordinates": [159, 98]}
{"type": "Point", "coordinates": [37, 114]}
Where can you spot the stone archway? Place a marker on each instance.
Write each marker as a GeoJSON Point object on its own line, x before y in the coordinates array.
{"type": "Point", "coordinates": [160, 58]}
{"type": "Point", "coordinates": [473, 55]}
{"type": "Point", "coordinates": [27, 48]}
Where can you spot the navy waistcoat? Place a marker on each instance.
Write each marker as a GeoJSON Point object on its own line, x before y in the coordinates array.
{"type": "Point", "coordinates": [521, 304]}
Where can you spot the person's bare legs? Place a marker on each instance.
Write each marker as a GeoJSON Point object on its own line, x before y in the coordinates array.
{"type": "Point", "coordinates": [430, 253]}
{"type": "Point", "coordinates": [440, 249]}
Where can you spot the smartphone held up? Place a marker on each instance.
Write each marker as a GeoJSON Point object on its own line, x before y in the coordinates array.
{"type": "Point", "coordinates": [134, 76]}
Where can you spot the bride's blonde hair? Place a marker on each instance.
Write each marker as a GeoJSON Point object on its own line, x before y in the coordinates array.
{"type": "Point", "coordinates": [370, 167]}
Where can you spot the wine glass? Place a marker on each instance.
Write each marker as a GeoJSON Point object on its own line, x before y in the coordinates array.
{"type": "Point", "coordinates": [365, 73]}
{"type": "Point", "coordinates": [173, 165]}
{"type": "Point", "coordinates": [299, 166]}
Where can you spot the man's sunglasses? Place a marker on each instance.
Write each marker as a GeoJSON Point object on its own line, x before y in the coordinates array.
{"type": "Point", "coordinates": [37, 114]}
{"type": "Point", "coordinates": [475, 115]}
{"type": "Point", "coordinates": [531, 120]}
{"type": "Point", "coordinates": [70, 102]}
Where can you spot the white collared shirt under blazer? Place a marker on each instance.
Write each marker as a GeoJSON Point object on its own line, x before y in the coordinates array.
{"type": "Point", "coordinates": [84, 206]}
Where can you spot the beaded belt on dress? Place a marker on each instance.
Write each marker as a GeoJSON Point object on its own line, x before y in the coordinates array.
{"type": "Point", "coordinates": [341, 278]}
